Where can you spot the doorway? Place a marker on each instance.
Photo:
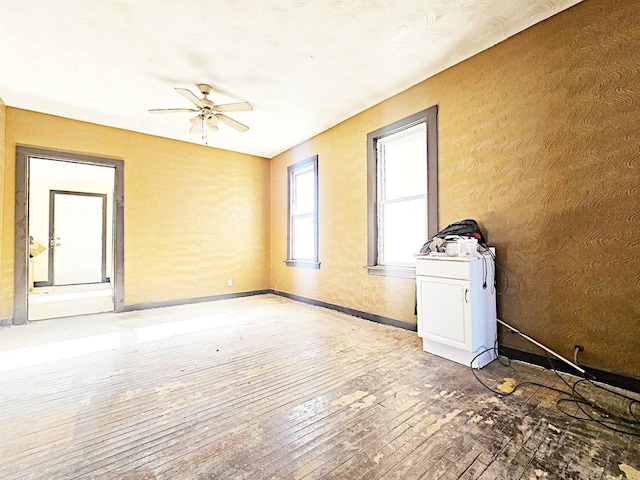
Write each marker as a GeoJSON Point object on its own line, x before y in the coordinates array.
{"type": "Point", "coordinates": [69, 248]}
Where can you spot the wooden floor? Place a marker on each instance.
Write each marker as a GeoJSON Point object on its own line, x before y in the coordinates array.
{"type": "Point", "coordinates": [66, 300]}
{"type": "Point", "coordinates": [263, 387]}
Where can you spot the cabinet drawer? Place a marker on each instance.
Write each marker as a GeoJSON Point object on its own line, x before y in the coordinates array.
{"type": "Point", "coordinates": [443, 268]}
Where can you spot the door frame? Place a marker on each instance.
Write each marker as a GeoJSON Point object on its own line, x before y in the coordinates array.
{"type": "Point", "coordinates": [21, 237]}
{"type": "Point", "coordinates": [52, 217]}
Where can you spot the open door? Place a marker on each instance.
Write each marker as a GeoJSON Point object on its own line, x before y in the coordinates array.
{"type": "Point", "coordinates": [24, 155]}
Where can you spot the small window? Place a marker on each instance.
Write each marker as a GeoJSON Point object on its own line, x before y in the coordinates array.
{"type": "Point", "coordinates": [302, 248]}
{"type": "Point", "coordinates": [402, 192]}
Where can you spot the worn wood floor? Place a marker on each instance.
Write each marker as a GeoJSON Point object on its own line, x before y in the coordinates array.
{"type": "Point", "coordinates": [264, 387]}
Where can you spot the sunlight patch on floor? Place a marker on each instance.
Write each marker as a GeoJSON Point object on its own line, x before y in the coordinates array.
{"type": "Point", "coordinates": [67, 300]}
{"type": "Point", "coordinates": [50, 352]}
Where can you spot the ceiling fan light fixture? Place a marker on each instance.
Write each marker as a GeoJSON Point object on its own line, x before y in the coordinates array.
{"type": "Point", "coordinates": [208, 112]}
{"type": "Point", "coordinates": [196, 124]}
{"type": "Point", "coordinates": [212, 123]}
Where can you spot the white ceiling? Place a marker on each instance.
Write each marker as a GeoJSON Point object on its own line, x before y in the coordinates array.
{"type": "Point", "coordinates": [304, 65]}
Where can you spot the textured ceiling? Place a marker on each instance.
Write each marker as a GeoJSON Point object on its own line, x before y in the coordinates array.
{"type": "Point", "coordinates": [304, 65]}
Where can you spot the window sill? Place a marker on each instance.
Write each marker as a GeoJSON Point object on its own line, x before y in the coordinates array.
{"type": "Point", "coordinates": [387, 271]}
{"type": "Point", "coordinates": [302, 264]}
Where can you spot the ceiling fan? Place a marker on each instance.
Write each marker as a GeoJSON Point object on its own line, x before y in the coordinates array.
{"type": "Point", "coordinates": [208, 113]}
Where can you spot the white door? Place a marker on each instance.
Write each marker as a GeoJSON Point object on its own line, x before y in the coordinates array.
{"type": "Point", "coordinates": [78, 231]}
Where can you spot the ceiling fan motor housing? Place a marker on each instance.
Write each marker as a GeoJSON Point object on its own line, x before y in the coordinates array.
{"type": "Point", "coordinates": [204, 89]}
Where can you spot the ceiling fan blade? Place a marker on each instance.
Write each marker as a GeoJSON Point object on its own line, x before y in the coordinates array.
{"type": "Point", "coordinates": [172, 110]}
{"type": "Point", "coordinates": [233, 107]}
{"type": "Point", "coordinates": [196, 124]}
{"type": "Point", "coordinates": [190, 96]}
{"type": "Point", "coordinates": [232, 123]}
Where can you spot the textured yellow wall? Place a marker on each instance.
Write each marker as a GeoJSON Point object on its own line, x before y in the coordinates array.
{"type": "Point", "coordinates": [194, 216]}
{"type": "Point", "coordinates": [539, 141]}
{"type": "Point", "coordinates": [6, 259]}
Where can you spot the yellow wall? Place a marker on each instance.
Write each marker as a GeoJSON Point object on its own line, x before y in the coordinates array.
{"type": "Point", "coordinates": [538, 140]}
{"type": "Point", "coordinates": [6, 260]}
{"type": "Point", "coordinates": [195, 216]}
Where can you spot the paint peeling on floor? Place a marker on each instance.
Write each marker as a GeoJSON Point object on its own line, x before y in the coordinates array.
{"type": "Point", "coordinates": [413, 392]}
{"type": "Point", "coordinates": [476, 419]}
{"type": "Point", "coordinates": [629, 472]}
{"type": "Point", "coordinates": [494, 400]}
{"type": "Point", "coordinates": [540, 473]}
{"type": "Point", "coordinates": [379, 456]}
{"type": "Point", "coordinates": [444, 394]}
{"type": "Point", "coordinates": [366, 402]}
{"type": "Point", "coordinates": [553, 428]}
{"type": "Point", "coordinates": [352, 400]}
{"type": "Point", "coordinates": [439, 423]}
{"type": "Point", "coordinates": [508, 385]}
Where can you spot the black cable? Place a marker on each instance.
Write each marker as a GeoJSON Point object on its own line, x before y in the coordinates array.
{"type": "Point", "coordinates": [515, 387]}
{"type": "Point", "coordinates": [607, 419]}
{"type": "Point", "coordinates": [581, 400]}
{"type": "Point", "coordinates": [632, 401]}
{"type": "Point", "coordinates": [603, 411]}
{"type": "Point", "coordinates": [496, 266]}
{"type": "Point", "coordinates": [484, 271]}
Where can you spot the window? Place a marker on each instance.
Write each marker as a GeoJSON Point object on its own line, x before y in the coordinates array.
{"type": "Point", "coordinates": [302, 248]}
{"type": "Point", "coordinates": [402, 169]}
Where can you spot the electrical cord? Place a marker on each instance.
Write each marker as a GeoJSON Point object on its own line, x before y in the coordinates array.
{"type": "Point", "coordinates": [482, 248]}
{"type": "Point", "coordinates": [601, 415]}
{"type": "Point", "coordinates": [591, 411]}
{"type": "Point", "coordinates": [484, 271]}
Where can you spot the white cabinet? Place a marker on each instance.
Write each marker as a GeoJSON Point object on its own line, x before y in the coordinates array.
{"type": "Point", "coordinates": [457, 307]}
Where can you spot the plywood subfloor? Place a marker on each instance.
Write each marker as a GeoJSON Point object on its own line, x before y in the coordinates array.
{"type": "Point", "coordinates": [264, 387]}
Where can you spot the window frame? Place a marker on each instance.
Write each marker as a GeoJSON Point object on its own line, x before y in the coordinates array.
{"type": "Point", "coordinates": [428, 116]}
{"type": "Point", "coordinates": [291, 171]}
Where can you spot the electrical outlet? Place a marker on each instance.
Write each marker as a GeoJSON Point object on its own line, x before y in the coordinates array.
{"type": "Point", "coordinates": [578, 347]}
{"type": "Point", "coordinates": [230, 282]}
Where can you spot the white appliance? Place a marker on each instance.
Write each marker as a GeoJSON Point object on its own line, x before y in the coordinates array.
{"type": "Point", "coordinates": [457, 307]}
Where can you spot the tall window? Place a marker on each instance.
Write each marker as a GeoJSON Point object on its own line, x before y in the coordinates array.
{"type": "Point", "coordinates": [302, 250]}
{"type": "Point", "coordinates": [402, 192]}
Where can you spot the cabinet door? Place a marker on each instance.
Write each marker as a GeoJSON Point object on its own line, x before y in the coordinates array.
{"type": "Point", "coordinates": [443, 311]}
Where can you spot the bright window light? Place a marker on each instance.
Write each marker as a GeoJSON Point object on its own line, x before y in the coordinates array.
{"type": "Point", "coordinates": [172, 329]}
